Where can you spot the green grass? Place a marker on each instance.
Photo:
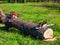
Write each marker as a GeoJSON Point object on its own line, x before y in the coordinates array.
{"type": "Point", "coordinates": [34, 13]}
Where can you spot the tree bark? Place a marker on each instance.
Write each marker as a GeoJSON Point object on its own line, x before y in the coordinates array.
{"type": "Point", "coordinates": [23, 26]}
{"type": "Point", "coordinates": [9, 1]}
{"type": "Point", "coordinates": [58, 1]}
{"type": "Point", "coordinates": [25, 1]}
{"type": "Point", "coordinates": [15, 1]}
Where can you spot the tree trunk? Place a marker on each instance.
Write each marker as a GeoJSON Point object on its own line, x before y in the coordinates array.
{"type": "Point", "coordinates": [35, 0]}
{"type": "Point", "coordinates": [15, 1]}
{"type": "Point", "coordinates": [54, 1]}
{"type": "Point", "coordinates": [8, 1]}
{"type": "Point", "coordinates": [23, 26]}
{"type": "Point", "coordinates": [25, 1]}
{"type": "Point", "coordinates": [42, 0]}
{"type": "Point", "coordinates": [58, 1]}
{"type": "Point", "coordinates": [27, 28]}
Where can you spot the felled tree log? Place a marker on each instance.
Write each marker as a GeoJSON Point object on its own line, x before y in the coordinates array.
{"type": "Point", "coordinates": [26, 27]}
{"type": "Point", "coordinates": [23, 26]}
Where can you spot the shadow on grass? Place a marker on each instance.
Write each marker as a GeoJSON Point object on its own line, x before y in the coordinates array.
{"type": "Point", "coordinates": [2, 28]}
{"type": "Point", "coordinates": [53, 6]}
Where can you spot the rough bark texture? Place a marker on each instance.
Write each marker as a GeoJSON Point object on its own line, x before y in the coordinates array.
{"type": "Point", "coordinates": [23, 26]}
{"type": "Point", "coordinates": [26, 27]}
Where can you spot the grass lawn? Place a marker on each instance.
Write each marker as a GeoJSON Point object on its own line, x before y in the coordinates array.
{"type": "Point", "coordinates": [32, 12]}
